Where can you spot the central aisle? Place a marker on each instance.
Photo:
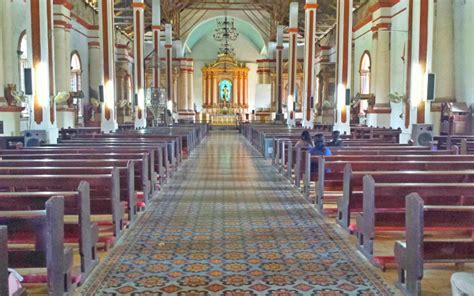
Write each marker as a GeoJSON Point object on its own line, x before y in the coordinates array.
{"type": "Point", "coordinates": [227, 224]}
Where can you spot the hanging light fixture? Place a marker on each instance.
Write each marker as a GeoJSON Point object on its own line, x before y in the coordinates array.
{"type": "Point", "coordinates": [226, 32]}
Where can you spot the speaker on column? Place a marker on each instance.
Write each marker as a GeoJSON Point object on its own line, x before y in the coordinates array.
{"type": "Point", "coordinates": [430, 94]}
{"type": "Point", "coordinates": [28, 85]}
{"type": "Point", "coordinates": [101, 93]}
{"type": "Point", "coordinates": [348, 96]}
{"type": "Point", "coordinates": [294, 106]}
{"type": "Point", "coordinates": [135, 101]}
{"type": "Point", "coordinates": [312, 103]}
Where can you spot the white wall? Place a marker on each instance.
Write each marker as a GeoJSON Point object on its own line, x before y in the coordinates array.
{"type": "Point", "coordinates": [463, 48]}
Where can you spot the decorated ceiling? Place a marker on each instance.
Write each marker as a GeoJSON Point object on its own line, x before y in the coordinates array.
{"type": "Point", "coordinates": [263, 15]}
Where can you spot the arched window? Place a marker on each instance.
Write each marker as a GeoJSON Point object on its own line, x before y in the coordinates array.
{"type": "Point", "coordinates": [364, 70]}
{"type": "Point", "coordinates": [76, 71]}
{"type": "Point", "coordinates": [22, 60]}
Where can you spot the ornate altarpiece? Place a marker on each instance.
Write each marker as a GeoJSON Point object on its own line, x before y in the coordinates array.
{"type": "Point", "coordinates": [225, 86]}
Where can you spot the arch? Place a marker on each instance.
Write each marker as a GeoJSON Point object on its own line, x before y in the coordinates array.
{"type": "Point", "coordinates": [365, 66]}
{"type": "Point", "coordinates": [245, 28]}
{"type": "Point", "coordinates": [76, 71]}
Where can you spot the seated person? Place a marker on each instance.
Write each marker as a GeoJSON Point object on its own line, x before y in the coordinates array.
{"type": "Point", "coordinates": [304, 141]}
{"type": "Point", "coordinates": [320, 146]}
{"type": "Point", "coordinates": [336, 141]}
{"type": "Point", "coordinates": [319, 149]}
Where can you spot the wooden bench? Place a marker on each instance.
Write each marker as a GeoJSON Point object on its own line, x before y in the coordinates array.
{"type": "Point", "coordinates": [141, 159]}
{"type": "Point", "coordinates": [155, 155]}
{"type": "Point", "coordinates": [384, 209]}
{"type": "Point", "coordinates": [48, 252]}
{"type": "Point", "coordinates": [412, 255]}
{"type": "Point", "coordinates": [169, 156]}
{"type": "Point", "coordinates": [325, 165]}
{"type": "Point", "coordinates": [352, 195]}
{"type": "Point", "coordinates": [173, 143]}
{"type": "Point", "coordinates": [104, 194]}
{"type": "Point", "coordinates": [80, 230]}
{"type": "Point", "coordinates": [331, 169]}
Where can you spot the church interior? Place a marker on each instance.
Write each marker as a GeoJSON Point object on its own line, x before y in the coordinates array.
{"type": "Point", "coordinates": [236, 147]}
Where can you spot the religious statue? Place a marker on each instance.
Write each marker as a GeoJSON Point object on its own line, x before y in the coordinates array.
{"type": "Point", "coordinates": [225, 94]}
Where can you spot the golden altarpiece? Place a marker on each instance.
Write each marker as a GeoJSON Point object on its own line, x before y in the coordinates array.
{"type": "Point", "coordinates": [225, 88]}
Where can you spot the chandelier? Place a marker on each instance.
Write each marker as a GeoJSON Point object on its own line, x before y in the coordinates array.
{"type": "Point", "coordinates": [226, 49]}
{"type": "Point", "coordinates": [226, 30]}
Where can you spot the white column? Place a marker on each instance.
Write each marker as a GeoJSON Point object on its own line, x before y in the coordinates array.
{"type": "Point", "coordinates": [191, 86]}
{"type": "Point", "coordinates": [293, 31]}
{"type": "Point", "coordinates": [443, 57]}
{"type": "Point", "coordinates": [107, 65]}
{"type": "Point", "coordinates": [139, 73]}
{"type": "Point", "coordinates": [380, 114]}
{"type": "Point", "coordinates": [183, 87]}
{"type": "Point", "coordinates": [62, 47]}
{"type": "Point", "coordinates": [94, 60]}
{"type": "Point", "coordinates": [422, 41]}
{"type": "Point", "coordinates": [309, 62]}
{"type": "Point", "coordinates": [169, 61]}
{"type": "Point", "coordinates": [279, 73]}
{"type": "Point", "coordinates": [343, 64]}
{"type": "Point", "coordinates": [156, 30]}
{"type": "Point", "coordinates": [40, 45]}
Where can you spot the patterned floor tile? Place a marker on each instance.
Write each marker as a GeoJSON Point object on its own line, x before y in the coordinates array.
{"type": "Point", "coordinates": [227, 224]}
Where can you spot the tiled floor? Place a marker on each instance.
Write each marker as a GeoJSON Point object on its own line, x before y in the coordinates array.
{"type": "Point", "coordinates": [227, 224]}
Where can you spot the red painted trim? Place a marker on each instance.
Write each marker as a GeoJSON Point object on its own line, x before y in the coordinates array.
{"type": "Point", "coordinates": [293, 30]}
{"type": "Point", "coordinates": [311, 6]}
{"type": "Point", "coordinates": [345, 44]}
{"type": "Point", "coordinates": [309, 74]}
{"type": "Point", "coordinates": [423, 52]}
{"type": "Point", "coordinates": [62, 24]}
{"type": "Point", "coordinates": [83, 22]}
{"type": "Point", "coordinates": [138, 5]}
{"type": "Point", "coordinates": [293, 61]}
{"type": "Point", "coordinates": [65, 3]}
{"type": "Point", "coordinates": [36, 57]}
{"type": "Point", "coordinates": [138, 41]}
{"type": "Point", "coordinates": [156, 27]}
{"type": "Point", "coordinates": [382, 4]}
{"type": "Point", "coordinates": [156, 48]}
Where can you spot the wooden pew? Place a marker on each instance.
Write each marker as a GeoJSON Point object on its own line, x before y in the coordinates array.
{"type": "Point", "coordinates": [322, 165]}
{"type": "Point", "coordinates": [384, 208]}
{"type": "Point", "coordinates": [412, 255]}
{"type": "Point", "coordinates": [148, 186]}
{"type": "Point", "coordinates": [104, 193]}
{"type": "Point", "coordinates": [155, 155]}
{"type": "Point", "coordinates": [82, 232]}
{"type": "Point", "coordinates": [173, 143]}
{"type": "Point", "coordinates": [352, 196]}
{"type": "Point", "coordinates": [49, 251]}
{"type": "Point", "coordinates": [168, 151]}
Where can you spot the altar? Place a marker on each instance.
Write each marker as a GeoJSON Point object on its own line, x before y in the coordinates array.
{"type": "Point", "coordinates": [225, 86]}
{"type": "Point", "coordinates": [224, 121]}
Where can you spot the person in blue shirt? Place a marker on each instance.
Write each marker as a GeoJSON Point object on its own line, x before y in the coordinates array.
{"type": "Point", "coordinates": [319, 149]}
{"type": "Point", "coordinates": [320, 146]}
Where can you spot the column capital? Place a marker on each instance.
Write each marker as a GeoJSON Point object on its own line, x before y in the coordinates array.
{"type": "Point", "coordinates": [311, 6]}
